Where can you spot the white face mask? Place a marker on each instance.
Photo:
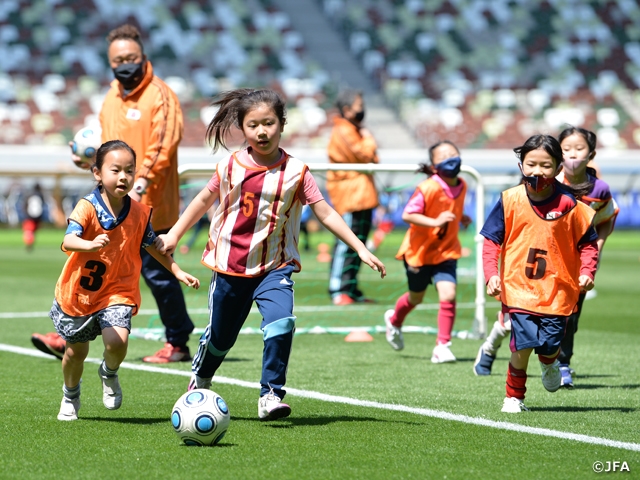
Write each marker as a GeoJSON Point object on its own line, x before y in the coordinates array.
{"type": "Point", "coordinates": [573, 166]}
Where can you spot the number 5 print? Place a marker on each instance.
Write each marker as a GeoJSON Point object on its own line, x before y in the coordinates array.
{"type": "Point", "coordinates": [536, 264]}
{"type": "Point", "coordinates": [247, 204]}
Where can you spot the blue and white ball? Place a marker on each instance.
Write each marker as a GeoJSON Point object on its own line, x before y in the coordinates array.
{"type": "Point", "coordinates": [86, 143]}
{"type": "Point", "coordinates": [200, 417]}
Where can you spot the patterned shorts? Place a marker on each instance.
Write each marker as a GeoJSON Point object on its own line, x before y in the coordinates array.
{"type": "Point", "coordinates": [86, 328]}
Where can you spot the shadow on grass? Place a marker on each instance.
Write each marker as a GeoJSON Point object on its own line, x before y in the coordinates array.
{"type": "Point", "coordinates": [131, 420]}
{"type": "Point", "coordinates": [595, 386]}
{"type": "Point", "coordinates": [584, 409]}
{"type": "Point", "coordinates": [315, 421]}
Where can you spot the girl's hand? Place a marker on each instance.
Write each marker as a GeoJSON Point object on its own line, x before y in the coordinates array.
{"type": "Point", "coordinates": [445, 217]}
{"type": "Point", "coordinates": [188, 279]}
{"type": "Point", "coordinates": [465, 221]}
{"type": "Point", "coordinates": [166, 244]}
{"type": "Point", "coordinates": [370, 259]}
{"type": "Point", "coordinates": [585, 282]}
{"type": "Point", "coordinates": [98, 243]}
{"type": "Point", "coordinates": [494, 286]}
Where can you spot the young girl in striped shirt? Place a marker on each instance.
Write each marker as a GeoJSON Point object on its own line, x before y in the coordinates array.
{"type": "Point", "coordinates": [253, 239]}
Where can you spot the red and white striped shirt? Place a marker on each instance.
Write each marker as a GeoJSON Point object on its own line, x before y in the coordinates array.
{"type": "Point", "coordinates": [256, 227]}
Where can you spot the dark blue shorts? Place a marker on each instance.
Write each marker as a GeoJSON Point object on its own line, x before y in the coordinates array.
{"type": "Point", "coordinates": [543, 334]}
{"type": "Point", "coordinates": [421, 277]}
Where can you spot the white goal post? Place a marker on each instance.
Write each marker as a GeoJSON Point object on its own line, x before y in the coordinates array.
{"type": "Point", "coordinates": [480, 320]}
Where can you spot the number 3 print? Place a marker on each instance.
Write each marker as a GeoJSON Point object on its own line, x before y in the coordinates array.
{"type": "Point", "coordinates": [94, 281]}
{"type": "Point", "coordinates": [536, 264]}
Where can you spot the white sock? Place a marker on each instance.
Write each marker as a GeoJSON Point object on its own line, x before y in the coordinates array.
{"type": "Point", "coordinates": [71, 393]}
{"type": "Point", "coordinates": [495, 338]}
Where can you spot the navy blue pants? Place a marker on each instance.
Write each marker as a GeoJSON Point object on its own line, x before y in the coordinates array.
{"type": "Point", "coordinates": [566, 347]}
{"type": "Point", "coordinates": [230, 300]}
{"type": "Point", "coordinates": [167, 291]}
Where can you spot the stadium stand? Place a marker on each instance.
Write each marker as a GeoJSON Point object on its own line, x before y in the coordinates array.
{"type": "Point", "coordinates": [488, 73]}
{"type": "Point", "coordinates": [54, 72]}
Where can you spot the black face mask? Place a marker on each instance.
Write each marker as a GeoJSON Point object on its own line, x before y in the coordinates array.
{"type": "Point", "coordinates": [359, 116]}
{"type": "Point", "coordinates": [129, 74]}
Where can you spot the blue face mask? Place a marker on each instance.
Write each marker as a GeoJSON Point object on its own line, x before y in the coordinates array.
{"type": "Point", "coordinates": [449, 168]}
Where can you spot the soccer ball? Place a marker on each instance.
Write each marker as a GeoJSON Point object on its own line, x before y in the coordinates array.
{"type": "Point", "coordinates": [86, 143]}
{"type": "Point", "coordinates": [200, 417]}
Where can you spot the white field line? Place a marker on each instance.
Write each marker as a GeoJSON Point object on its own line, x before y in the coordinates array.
{"type": "Point", "coordinates": [301, 309]}
{"type": "Point", "coordinates": [426, 412]}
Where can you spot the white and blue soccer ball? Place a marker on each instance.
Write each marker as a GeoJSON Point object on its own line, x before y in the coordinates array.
{"type": "Point", "coordinates": [86, 143]}
{"type": "Point", "coordinates": [200, 417]}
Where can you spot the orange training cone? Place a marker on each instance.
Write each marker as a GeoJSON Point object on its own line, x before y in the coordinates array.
{"type": "Point", "coordinates": [323, 253]}
{"type": "Point", "coordinates": [358, 336]}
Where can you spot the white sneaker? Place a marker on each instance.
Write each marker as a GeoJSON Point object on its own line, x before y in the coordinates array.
{"type": "Point", "coordinates": [551, 376]}
{"type": "Point", "coordinates": [198, 382]}
{"type": "Point", "coordinates": [513, 405]}
{"type": "Point", "coordinates": [69, 409]}
{"type": "Point", "coordinates": [394, 334]}
{"type": "Point", "coordinates": [111, 391]}
{"type": "Point", "coordinates": [270, 407]}
{"type": "Point", "coordinates": [442, 353]}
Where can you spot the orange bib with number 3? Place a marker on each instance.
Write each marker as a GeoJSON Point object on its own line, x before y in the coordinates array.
{"type": "Point", "coordinates": [92, 281]}
{"type": "Point", "coordinates": [540, 261]}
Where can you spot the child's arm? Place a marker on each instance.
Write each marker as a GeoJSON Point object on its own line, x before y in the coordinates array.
{"type": "Point", "coordinates": [588, 265]}
{"type": "Point", "coordinates": [167, 262]}
{"type": "Point", "coordinates": [424, 221]}
{"type": "Point", "coordinates": [194, 212]}
{"type": "Point", "coordinates": [604, 230]}
{"type": "Point", "coordinates": [74, 243]}
{"type": "Point", "coordinates": [335, 224]}
{"type": "Point", "coordinates": [490, 254]}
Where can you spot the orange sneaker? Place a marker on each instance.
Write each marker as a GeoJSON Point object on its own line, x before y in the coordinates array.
{"type": "Point", "coordinates": [343, 299]}
{"type": "Point", "coordinates": [168, 354]}
{"type": "Point", "coordinates": [50, 343]}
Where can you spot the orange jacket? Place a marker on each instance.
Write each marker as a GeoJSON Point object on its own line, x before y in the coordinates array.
{"type": "Point", "coordinates": [149, 119]}
{"type": "Point", "coordinates": [431, 246]}
{"type": "Point", "coordinates": [540, 260]}
{"type": "Point", "coordinates": [351, 191]}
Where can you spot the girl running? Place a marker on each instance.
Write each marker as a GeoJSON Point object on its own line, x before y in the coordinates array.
{"type": "Point", "coordinates": [253, 239]}
{"type": "Point", "coordinates": [430, 248]}
{"type": "Point", "coordinates": [546, 244]}
{"type": "Point", "coordinates": [98, 291]}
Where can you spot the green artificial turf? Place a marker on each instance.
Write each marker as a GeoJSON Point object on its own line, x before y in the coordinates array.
{"type": "Point", "coordinates": [323, 439]}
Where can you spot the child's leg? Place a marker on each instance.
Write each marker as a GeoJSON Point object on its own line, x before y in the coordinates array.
{"type": "Point", "coordinates": [404, 305]}
{"type": "Point", "coordinates": [517, 373]}
{"type": "Point", "coordinates": [116, 342]}
{"type": "Point", "coordinates": [274, 298]}
{"type": "Point", "coordinates": [73, 363]}
{"type": "Point", "coordinates": [230, 300]}
{"type": "Point", "coordinates": [447, 311]}
{"type": "Point", "coordinates": [566, 346]}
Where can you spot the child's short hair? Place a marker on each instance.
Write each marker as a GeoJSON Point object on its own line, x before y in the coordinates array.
{"type": "Point", "coordinates": [546, 142]}
{"type": "Point", "coordinates": [427, 168]}
{"type": "Point", "coordinates": [588, 135]}
{"type": "Point", "coordinates": [110, 146]}
{"type": "Point", "coordinates": [234, 106]}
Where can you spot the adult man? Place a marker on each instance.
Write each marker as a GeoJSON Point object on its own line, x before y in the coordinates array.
{"type": "Point", "coordinates": [141, 110]}
{"type": "Point", "coordinates": [353, 194]}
